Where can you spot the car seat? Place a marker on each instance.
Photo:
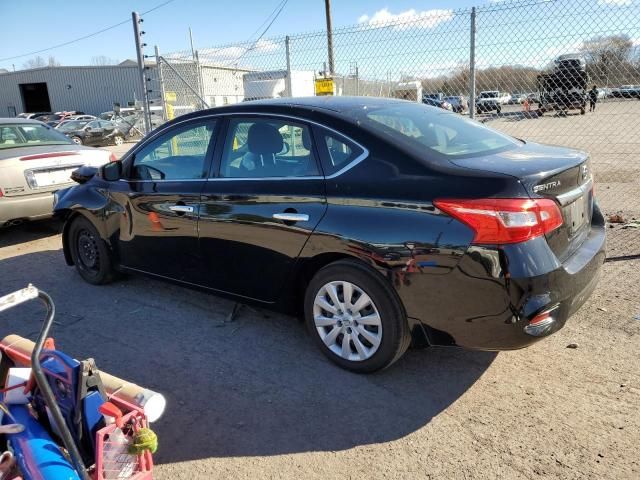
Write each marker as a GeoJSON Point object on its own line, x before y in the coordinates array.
{"type": "Point", "coordinates": [264, 141]}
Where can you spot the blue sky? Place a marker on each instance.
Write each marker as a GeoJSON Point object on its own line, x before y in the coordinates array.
{"type": "Point", "coordinates": [530, 35]}
{"type": "Point", "coordinates": [213, 22]}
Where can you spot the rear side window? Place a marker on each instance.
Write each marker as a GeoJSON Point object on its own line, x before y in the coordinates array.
{"type": "Point", "coordinates": [338, 152]}
{"type": "Point", "coordinates": [266, 147]}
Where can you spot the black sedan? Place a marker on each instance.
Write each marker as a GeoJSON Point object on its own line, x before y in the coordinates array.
{"type": "Point", "coordinates": [382, 221]}
{"type": "Point", "coordinates": [93, 132]}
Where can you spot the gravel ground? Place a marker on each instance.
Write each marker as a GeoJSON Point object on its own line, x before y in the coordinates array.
{"type": "Point", "coordinates": [254, 399]}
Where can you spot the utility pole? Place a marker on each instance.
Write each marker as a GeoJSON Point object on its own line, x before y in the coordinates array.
{"type": "Point", "coordinates": [141, 67]}
{"type": "Point", "coordinates": [193, 55]}
{"type": "Point", "coordinates": [327, 7]}
{"type": "Point", "coordinates": [472, 66]}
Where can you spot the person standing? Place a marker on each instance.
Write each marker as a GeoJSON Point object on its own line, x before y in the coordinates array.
{"type": "Point", "coordinates": [593, 98]}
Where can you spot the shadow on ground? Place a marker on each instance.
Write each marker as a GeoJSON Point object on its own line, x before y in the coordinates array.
{"type": "Point", "coordinates": [28, 231]}
{"type": "Point", "coordinates": [254, 386]}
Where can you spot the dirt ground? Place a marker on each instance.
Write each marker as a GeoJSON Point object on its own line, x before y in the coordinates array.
{"type": "Point", "coordinates": [254, 399]}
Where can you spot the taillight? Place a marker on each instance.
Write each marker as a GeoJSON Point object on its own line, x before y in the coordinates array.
{"type": "Point", "coordinates": [504, 220]}
{"type": "Point", "coordinates": [112, 157]}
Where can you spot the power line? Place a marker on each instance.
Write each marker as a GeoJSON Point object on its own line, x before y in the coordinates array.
{"type": "Point", "coordinates": [267, 19]}
{"type": "Point", "coordinates": [255, 44]}
{"type": "Point", "coordinates": [85, 36]}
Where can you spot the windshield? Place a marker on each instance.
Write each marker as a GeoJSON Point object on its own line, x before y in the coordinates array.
{"type": "Point", "coordinates": [488, 94]}
{"type": "Point", "coordinates": [450, 135]}
{"type": "Point", "coordinates": [29, 134]}
{"type": "Point", "coordinates": [72, 125]}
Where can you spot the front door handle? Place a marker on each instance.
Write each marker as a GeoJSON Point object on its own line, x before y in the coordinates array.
{"type": "Point", "coordinates": [291, 217]}
{"type": "Point", "coordinates": [181, 208]}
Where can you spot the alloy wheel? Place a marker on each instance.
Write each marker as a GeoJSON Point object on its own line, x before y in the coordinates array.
{"type": "Point", "coordinates": [118, 140]}
{"type": "Point", "coordinates": [347, 320]}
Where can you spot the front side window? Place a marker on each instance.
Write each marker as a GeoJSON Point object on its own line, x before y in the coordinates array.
{"type": "Point", "coordinates": [20, 135]}
{"type": "Point", "coordinates": [261, 147]}
{"type": "Point", "coordinates": [178, 154]}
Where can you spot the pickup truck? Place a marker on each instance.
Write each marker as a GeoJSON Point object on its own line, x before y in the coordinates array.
{"type": "Point", "coordinates": [491, 100]}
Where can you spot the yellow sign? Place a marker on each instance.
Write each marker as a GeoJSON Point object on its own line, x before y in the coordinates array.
{"type": "Point", "coordinates": [169, 96]}
{"type": "Point", "coordinates": [324, 86]}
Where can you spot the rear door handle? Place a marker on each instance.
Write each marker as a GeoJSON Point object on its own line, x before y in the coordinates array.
{"type": "Point", "coordinates": [291, 217]}
{"type": "Point", "coordinates": [181, 208]}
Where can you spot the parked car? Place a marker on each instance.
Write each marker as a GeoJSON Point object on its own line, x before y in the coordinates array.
{"type": "Point", "coordinates": [49, 117]}
{"type": "Point", "coordinates": [437, 103]}
{"type": "Point", "coordinates": [382, 221]}
{"type": "Point", "coordinates": [434, 95]}
{"type": "Point", "coordinates": [32, 115]}
{"type": "Point", "coordinates": [35, 161]}
{"type": "Point", "coordinates": [517, 98]}
{"type": "Point", "coordinates": [491, 100]}
{"type": "Point", "coordinates": [626, 91]}
{"type": "Point", "coordinates": [459, 103]}
{"type": "Point", "coordinates": [94, 132]}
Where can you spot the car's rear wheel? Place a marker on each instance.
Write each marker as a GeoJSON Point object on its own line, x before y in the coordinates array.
{"type": "Point", "coordinates": [355, 317]}
{"type": "Point", "coordinates": [76, 140]}
{"type": "Point", "coordinates": [89, 252]}
{"type": "Point", "coordinates": [118, 140]}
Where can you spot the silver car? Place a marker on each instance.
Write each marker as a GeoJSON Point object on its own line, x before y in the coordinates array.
{"type": "Point", "coordinates": [35, 161]}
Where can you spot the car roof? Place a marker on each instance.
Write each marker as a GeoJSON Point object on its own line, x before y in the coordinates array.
{"type": "Point", "coordinates": [339, 104]}
{"type": "Point", "coordinates": [14, 120]}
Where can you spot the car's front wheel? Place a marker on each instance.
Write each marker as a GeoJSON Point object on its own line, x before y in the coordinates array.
{"type": "Point", "coordinates": [355, 318]}
{"type": "Point", "coordinates": [76, 140]}
{"type": "Point", "coordinates": [89, 252]}
{"type": "Point", "coordinates": [118, 140]}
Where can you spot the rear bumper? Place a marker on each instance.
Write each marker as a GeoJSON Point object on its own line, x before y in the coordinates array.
{"type": "Point", "coordinates": [30, 207]}
{"type": "Point", "coordinates": [489, 299]}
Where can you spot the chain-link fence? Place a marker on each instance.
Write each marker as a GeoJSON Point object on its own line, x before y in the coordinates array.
{"type": "Point", "coordinates": [563, 72]}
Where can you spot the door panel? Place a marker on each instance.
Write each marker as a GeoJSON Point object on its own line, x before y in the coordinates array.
{"type": "Point", "coordinates": [245, 249]}
{"type": "Point", "coordinates": [158, 234]}
{"type": "Point", "coordinates": [267, 167]}
{"type": "Point", "coordinates": [159, 202]}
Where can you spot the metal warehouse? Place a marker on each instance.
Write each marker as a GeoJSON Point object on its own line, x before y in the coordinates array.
{"type": "Point", "coordinates": [95, 89]}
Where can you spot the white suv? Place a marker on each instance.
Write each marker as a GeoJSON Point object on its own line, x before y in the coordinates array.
{"type": "Point", "coordinates": [490, 100]}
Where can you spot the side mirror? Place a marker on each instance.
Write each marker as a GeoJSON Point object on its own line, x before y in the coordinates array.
{"type": "Point", "coordinates": [87, 129]}
{"type": "Point", "coordinates": [111, 171]}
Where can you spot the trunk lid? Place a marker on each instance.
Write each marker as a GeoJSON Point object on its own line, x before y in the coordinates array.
{"type": "Point", "coordinates": [559, 173]}
{"type": "Point", "coordinates": [29, 170]}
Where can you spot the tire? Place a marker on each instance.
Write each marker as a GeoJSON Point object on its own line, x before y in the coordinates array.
{"type": "Point", "coordinates": [582, 111]}
{"type": "Point", "coordinates": [498, 109]}
{"type": "Point", "coordinates": [118, 140]}
{"type": "Point", "coordinates": [89, 252]}
{"type": "Point", "coordinates": [378, 343]}
{"type": "Point", "coordinates": [76, 140]}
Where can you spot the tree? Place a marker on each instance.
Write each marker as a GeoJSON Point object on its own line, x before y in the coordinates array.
{"type": "Point", "coordinates": [608, 57]}
{"type": "Point", "coordinates": [103, 60]}
{"type": "Point", "coordinates": [39, 62]}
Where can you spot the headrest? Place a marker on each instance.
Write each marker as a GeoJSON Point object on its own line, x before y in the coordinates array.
{"type": "Point", "coordinates": [264, 139]}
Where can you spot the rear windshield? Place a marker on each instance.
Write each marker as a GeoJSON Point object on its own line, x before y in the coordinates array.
{"type": "Point", "coordinates": [443, 133]}
{"type": "Point", "coordinates": [29, 134]}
